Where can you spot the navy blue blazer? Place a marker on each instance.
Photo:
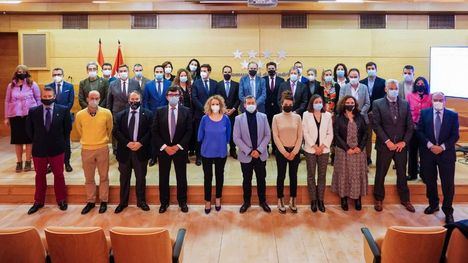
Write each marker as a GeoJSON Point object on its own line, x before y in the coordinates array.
{"type": "Point", "coordinates": [151, 98]}
{"type": "Point", "coordinates": [378, 90]}
{"type": "Point", "coordinates": [48, 143]}
{"type": "Point", "coordinates": [66, 96]}
{"type": "Point", "coordinates": [200, 96]}
{"type": "Point", "coordinates": [271, 103]}
{"type": "Point", "coordinates": [449, 133]}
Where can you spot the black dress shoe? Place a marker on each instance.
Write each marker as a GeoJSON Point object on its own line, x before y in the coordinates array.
{"type": "Point", "coordinates": [184, 208]}
{"type": "Point", "coordinates": [103, 207]}
{"type": "Point", "coordinates": [431, 210]}
{"type": "Point", "coordinates": [198, 162]}
{"type": "Point", "coordinates": [411, 178]}
{"type": "Point", "coordinates": [120, 208]}
{"type": "Point", "coordinates": [87, 208]}
{"type": "Point", "coordinates": [265, 207]}
{"type": "Point", "coordinates": [313, 206]}
{"type": "Point", "coordinates": [449, 219]}
{"type": "Point", "coordinates": [344, 203]}
{"type": "Point", "coordinates": [143, 206]}
{"type": "Point", "coordinates": [35, 208]}
{"type": "Point", "coordinates": [244, 208]}
{"type": "Point", "coordinates": [207, 211]}
{"type": "Point", "coordinates": [321, 206]}
{"type": "Point", "coordinates": [218, 208]}
{"type": "Point", "coordinates": [152, 162]}
{"type": "Point", "coordinates": [63, 205]}
{"type": "Point", "coordinates": [68, 168]}
{"type": "Point", "coordinates": [163, 208]}
{"type": "Point", "coordinates": [233, 154]}
{"type": "Point", "coordinates": [49, 169]}
{"type": "Point", "coordinates": [358, 204]}
{"type": "Point", "coordinates": [188, 160]}
{"type": "Point", "coordinates": [369, 161]}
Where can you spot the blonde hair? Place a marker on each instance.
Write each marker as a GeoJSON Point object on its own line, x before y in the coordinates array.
{"type": "Point", "coordinates": [222, 105]}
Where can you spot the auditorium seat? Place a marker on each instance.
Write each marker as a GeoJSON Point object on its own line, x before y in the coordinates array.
{"type": "Point", "coordinates": [405, 245]}
{"type": "Point", "coordinates": [77, 244]}
{"type": "Point", "coordinates": [457, 250]}
{"type": "Point", "coordinates": [145, 245]}
{"type": "Point", "coordinates": [21, 245]}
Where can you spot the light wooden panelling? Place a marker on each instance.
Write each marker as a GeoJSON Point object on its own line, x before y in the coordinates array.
{"type": "Point", "coordinates": [179, 21]}
{"type": "Point", "coordinates": [335, 21]}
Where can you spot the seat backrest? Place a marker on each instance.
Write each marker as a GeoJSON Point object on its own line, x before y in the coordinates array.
{"type": "Point", "coordinates": [77, 244]}
{"type": "Point", "coordinates": [413, 244]}
{"type": "Point", "coordinates": [141, 245]}
{"type": "Point", "coordinates": [21, 245]}
{"type": "Point", "coordinates": [457, 250]}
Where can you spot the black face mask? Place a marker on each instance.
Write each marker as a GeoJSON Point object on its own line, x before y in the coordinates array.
{"type": "Point", "coordinates": [287, 108]}
{"type": "Point", "coordinates": [134, 105]}
{"type": "Point", "coordinates": [227, 76]}
{"type": "Point", "coordinates": [21, 76]}
{"type": "Point", "coordinates": [271, 72]}
{"type": "Point", "coordinates": [252, 72]}
{"type": "Point", "coordinates": [420, 88]}
{"type": "Point", "coordinates": [47, 102]}
{"type": "Point", "coordinates": [349, 107]}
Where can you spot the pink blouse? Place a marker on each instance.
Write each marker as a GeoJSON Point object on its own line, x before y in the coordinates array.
{"type": "Point", "coordinates": [19, 100]}
{"type": "Point", "coordinates": [417, 104]}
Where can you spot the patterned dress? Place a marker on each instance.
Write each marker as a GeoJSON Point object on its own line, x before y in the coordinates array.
{"type": "Point", "coordinates": [350, 170]}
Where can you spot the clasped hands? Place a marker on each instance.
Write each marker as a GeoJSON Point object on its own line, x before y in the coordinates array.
{"type": "Point", "coordinates": [134, 146]}
{"type": "Point", "coordinates": [398, 147]}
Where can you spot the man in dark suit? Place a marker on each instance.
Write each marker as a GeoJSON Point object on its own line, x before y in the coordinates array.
{"type": "Point", "coordinates": [117, 96]}
{"type": "Point", "coordinates": [48, 126]}
{"type": "Point", "coordinates": [394, 127]}
{"type": "Point", "coordinates": [202, 89]}
{"type": "Point", "coordinates": [376, 88]}
{"type": "Point", "coordinates": [65, 96]}
{"type": "Point", "coordinates": [438, 131]}
{"type": "Point", "coordinates": [229, 90]}
{"type": "Point", "coordinates": [298, 89]}
{"type": "Point", "coordinates": [132, 130]}
{"type": "Point", "coordinates": [273, 82]}
{"type": "Point", "coordinates": [142, 80]}
{"type": "Point", "coordinates": [172, 130]}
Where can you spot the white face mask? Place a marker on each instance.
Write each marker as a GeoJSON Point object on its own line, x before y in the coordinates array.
{"type": "Point", "coordinates": [107, 72]}
{"type": "Point", "coordinates": [58, 79]}
{"type": "Point", "coordinates": [215, 108]}
{"type": "Point", "coordinates": [193, 68]}
{"type": "Point", "coordinates": [311, 77]}
{"type": "Point", "coordinates": [183, 79]}
{"type": "Point", "coordinates": [408, 77]}
{"type": "Point", "coordinates": [354, 81]}
{"type": "Point", "coordinates": [204, 74]}
{"type": "Point", "coordinates": [293, 77]}
{"type": "Point", "coordinates": [173, 100]}
{"type": "Point", "coordinates": [93, 103]}
{"type": "Point", "coordinates": [438, 105]}
{"type": "Point", "coordinates": [92, 74]}
{"type": "Point", "coordinates": [328, 78]}
{"type": "Point", "coordinates": [372, 73]}
{"type": "Point", "coordinates": [123, 75]}
{"type": "Point", "coordinates": [138, 74]}
{"type": "Point", "coordinates": [392, 93]}
{"type": "Point", "coordinates": [251, 108]}
{"type": "Point", "coordinates": [168, 70]}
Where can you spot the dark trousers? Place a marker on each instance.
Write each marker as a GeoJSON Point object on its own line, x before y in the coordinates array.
{"type": "Point", "coordinates": [197, 143]}
{"type": "Point", "coordinates": [413, 153]}
{"type": "Point", "coordinates": [180, 165]}
{"type": "Point", "coordinates": [125, 169]}
{"type": "Point", "coordinates": [259, 167]}
{"type": "Point", "coordinates": [384, 158]}
{"type": "Point", "coordinates": [208, 176]}
{"type": "Point", "coordinates": [56, 164]}
{"type": "Point", "coordinates": [430, 165]}
{"type": "Point", "coordinates": [281, 164]}
{"type": "Point", "coordinates": [232, 145]}
{"type": "Point", "coordinates": [316, 163]}
{"type": "Point", "coordinates": [270, 121]}
{"type": "Point", "coordinates": [67, 153]}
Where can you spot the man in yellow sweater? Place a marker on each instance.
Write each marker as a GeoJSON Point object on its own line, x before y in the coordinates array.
{"type": "Point", "coordinates": [94, 125]}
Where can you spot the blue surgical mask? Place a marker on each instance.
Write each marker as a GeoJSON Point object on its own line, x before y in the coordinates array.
{"type": "Point", "coordinates": [328, 78]}
{"type": "Point", "coordinates": [183, 79]}
{"type": "Point", "coordinates": [158, 76]}
{"type": "Point", "coordinates": [138, 74]}
{"type": "Point", "coordinates": [393, 93]}
{"type": "Point", "coordinates": [318, 106]}
{"type": "Point", "coordinates": [293, 77]}
{"type": "Point", "coordinates": [354, 81]}
{"type": "Point", "coordinates": [340, 73]}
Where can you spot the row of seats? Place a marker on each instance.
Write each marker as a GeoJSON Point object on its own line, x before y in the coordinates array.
{"type": "Point", "coordinates": [89, 244]}
{"type": "Point", "coordinates": [416, 244]}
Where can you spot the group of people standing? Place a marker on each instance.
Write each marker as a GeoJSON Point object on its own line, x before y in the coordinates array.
{"type": "Point", "coordinates": [171, 117]}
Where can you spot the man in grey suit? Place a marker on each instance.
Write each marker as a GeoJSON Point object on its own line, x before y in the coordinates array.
{"type": "Point", "coordinates": [253, 84]}
{"type": "Point", "coordinates": [299, 90]}
{"type": "Point", "coordinates": [252, 135]}
{"type": "Point", "coordinates": [406, 86]}
{"type": "Point", "coordinates": [392, 122]}
{"type": "Point", "coordinates": [117, 96]}
{"type": "Point", "coordinates": [138, 71]}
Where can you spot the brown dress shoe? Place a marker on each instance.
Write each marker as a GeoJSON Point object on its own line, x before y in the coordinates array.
{"type": "Point", "coordinates": [409, 206]}
{"type": "Point", "coordinates": [378, 206]}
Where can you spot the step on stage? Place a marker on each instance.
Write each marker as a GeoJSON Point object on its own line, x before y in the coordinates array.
{"type": "Point", "coordinates": [19, 187]}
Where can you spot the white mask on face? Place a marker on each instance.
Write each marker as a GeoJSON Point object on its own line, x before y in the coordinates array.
{"type": "Point", "coordinates": [293, 77]}
{"type": "Point", "coordinates": [204, 74]}
{"type": "Point", "coordinates": [93, 103]}
{"type": "Point", "coordinates": [123, 75]}
{"type": "Point", "coordinates": [354, 81]}
{"type": "Point", "coordinates": [438, 105]}
{"type": "Point", "coordinates": [392, 93]}
{"type": "Point", "coordinates": [372, 73]}
{"type": "Point", "coordinates": [107, 72]}
{"type": "Point", "coordinates": [168, 70]}
{"type": "Point", "coordinates": [311, 77]}
{"type": "Point", "coordinates": [251, 108]}
{"type": "Point", "coordinates": [328, 78]}
{"type": "Point", "coordinates": [408, 77]}
{"type": "Point", "coordinates": [193, 68]}
{"type": "Point", "coordinates": [183, 79]}
{"type": "Point", "coordinates": [215, 108]}
{"type": "Point", "coordinates": [58, 79]}
{"type": "Point", "coordinates": [173, 100]}
{"type": "Point", "coordinates": [92, 74]}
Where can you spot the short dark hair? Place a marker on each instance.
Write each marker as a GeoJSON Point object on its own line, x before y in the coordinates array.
{"type": "Point", "coordinates": [410, 67]}
{"type": "Point", "coordinates": [123, 66]}
{"type": "Point", "coordinates": [426, 85]}
{"type": "Point", "coordinates": [137, 65]}
{"type": "Point", "coordinates": [271, 63]}
{"type": "Point", "coordinates": [107, 64]}
{"type": "Point", "coordinates": [336, 68]}
{"type": "Point", "coordinates": [298, 62]}
{"type": "Point", "coordinates": [61, 69]}
{"type": "Point", "coordinates": [342, 103]}
{"type": "Point", "coordinates": [227, 66]}
{"type": "Point", "coordinates": [354, 69]}
{"type": "Point", "coordinates": [173, 88]}
{"type": "Point", "coordinates": [136, 92]}
{"type": "Point", "coordinates": [310, 107]}
{"type": "Point", "coordinates": [286, 95]}
{"type": "Point", "coordinates": [157, 66]}
{"type": "Point", "coordinates": [167, 63]}
{"type": "Point", "coordinates": [370, 63]}
{"type": "Point", "coordinates": [49, 88]}
{"type": "Point", "coordinates": [207, 66]}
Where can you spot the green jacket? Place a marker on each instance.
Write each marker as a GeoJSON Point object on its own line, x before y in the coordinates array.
{"type": "Point", "coordinates": [86, 85]}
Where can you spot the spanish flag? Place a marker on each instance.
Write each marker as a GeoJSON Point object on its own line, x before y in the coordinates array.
{"type": "Point", "coordinates": [100, 56]}
{"type": "Point", "coordinates": [118, 60]}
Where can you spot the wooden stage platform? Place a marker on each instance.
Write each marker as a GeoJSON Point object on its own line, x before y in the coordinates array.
{"type": "Point", "coordinates": [19, 187]}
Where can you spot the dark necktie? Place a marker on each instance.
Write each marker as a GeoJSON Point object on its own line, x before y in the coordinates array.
{"type": "Point", "coordinates": [124, 89]}
{"type": "Point", "coordinates": [228, 88]}
{"type": "Point", "coordinates": [59, 89]}
{"type": "Point", "coordinates": [438, 124]}
{"type": "Point", "coordinates": [206, 86]}
{"type": "Point", "coordinates": [272, 84]}
{"type": "Point", "coordinates": [173, 123]}
{"type": "Point", "coordinates": [159, 88]}
{"type": "Point", "coordinates": [48, 119]}
{"type": "Point", "coordinates": [131, 126]}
